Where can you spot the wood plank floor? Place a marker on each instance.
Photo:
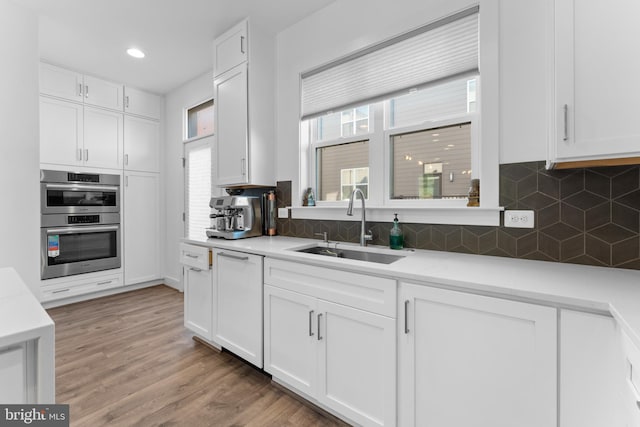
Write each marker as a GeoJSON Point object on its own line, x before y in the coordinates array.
{"type": "Point", "coordinates": [126, 360]}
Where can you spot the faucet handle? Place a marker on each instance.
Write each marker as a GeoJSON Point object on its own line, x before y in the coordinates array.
{"type": "Point", "coordinates": [324, 235]}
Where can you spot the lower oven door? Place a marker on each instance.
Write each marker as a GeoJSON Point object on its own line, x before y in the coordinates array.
{"type": "Point", "coordinates": [65, 251]}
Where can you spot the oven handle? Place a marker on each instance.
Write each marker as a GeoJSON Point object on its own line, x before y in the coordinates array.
{"type": "Point", "coordinates": [83, 187]}
{"type": "Point", "coordinates": [75, 230]}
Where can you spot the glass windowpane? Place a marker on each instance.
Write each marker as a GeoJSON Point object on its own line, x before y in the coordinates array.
{"type": "Point", "coordinates": [336, 166]}
{"type": "Point", "coordinates": [200, 120]}
{"type": "Point", "coordinates": [432, 164]}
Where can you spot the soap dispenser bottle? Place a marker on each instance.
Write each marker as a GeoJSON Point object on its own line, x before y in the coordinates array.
{"type": "Point", "coordinates": [396, 240]}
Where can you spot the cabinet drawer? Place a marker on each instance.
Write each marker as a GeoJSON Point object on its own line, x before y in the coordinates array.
{"type": "Point", "coordinates": [61, 290]}
{"type": "Point", "coordinates": [374, 294]}
{"type": "Point", "coordinates": [195, 256]}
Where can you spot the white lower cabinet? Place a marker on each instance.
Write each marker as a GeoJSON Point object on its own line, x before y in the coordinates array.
{"type": "Point", "coordinates": [141, 224]}
{"type": "Point", "coordinates": [471, 360]}
{"type": "Point", "coordinates": [589, 368]}
{"type": "Point", "coordinates": [198, 290]}
{"type": "Point", "coordinates": [338, 356]}
{"type": "Point", "coordinates": [237, 321]}
{"type": "Point", "coordinates": [629, 367]}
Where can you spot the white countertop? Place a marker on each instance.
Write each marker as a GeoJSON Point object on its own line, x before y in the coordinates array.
{"type": "Point", "coordinates": [599, 289]}
{"type": "Point", "coordinates": [22, 317]}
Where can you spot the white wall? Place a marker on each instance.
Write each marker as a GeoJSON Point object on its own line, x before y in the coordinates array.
{"type": "Point", "coordinates": [191, 93]}
{"type": "Point", "coordinates": [19, 143]}
{"type": "Point", "coordinates": [349, 25]}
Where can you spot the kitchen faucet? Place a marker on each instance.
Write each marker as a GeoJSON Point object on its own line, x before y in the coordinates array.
{"type": "Point", "coordinates": [364, 238]}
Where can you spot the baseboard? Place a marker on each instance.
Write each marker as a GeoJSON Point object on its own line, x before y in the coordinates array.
{"type": "Point", "coordinates": [174, 283]}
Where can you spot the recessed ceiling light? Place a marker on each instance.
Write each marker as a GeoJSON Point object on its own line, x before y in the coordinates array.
{"type": "Point", "coordinates": [136, 53]}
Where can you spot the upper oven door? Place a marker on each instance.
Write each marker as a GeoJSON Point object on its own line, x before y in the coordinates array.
{"type": "Point", "coordinates": [78, 198]}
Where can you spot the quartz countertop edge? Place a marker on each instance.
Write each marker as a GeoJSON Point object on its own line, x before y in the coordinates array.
{"type": "Point", "coordinates": [589, 288]}
{"type": "Point", "coordinates": [22, 317]}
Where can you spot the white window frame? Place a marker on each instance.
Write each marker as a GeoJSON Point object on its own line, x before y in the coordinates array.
{"type": "Point", "coordinates": [485, 155]}
{"type": "Point", "coordinates": [354, 184]}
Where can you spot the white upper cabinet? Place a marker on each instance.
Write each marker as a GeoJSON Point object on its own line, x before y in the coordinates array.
{"type": "Point", "coordinates": [230, 49]}
{"type": "Point", "coordinates": [595, 111]}
{"type": "Point", "coordinates": [61, 83]}
{"type": "Point", "coordinates": [73, 86]}
{"type": "Point", "coordinates": [61, 132]}
{"type": "Point", "coordinates": [142, 103]}
{"type": "Point", "coordinates": [102, 138]}
{"type": "Point", "coordinates": [231, 126]}
{"type": "Point", "coordinates": [141, 144]}
{"type": "Point", "coordinates": [244, 107]}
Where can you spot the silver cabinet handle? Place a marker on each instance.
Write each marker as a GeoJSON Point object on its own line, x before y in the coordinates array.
{"type": "Point", "coordinates": [60, 291]}
{"type": "Point", "coordinates": [104, 283]}
{"type": "Point", "coordinates": [319, 317]}
{"type": "Point", "coordinates": [126, 159]}
{"type": "Point", "coordinates": [126, 181]}
{"type": "Point", "coordinates": [239, 258]}
{"type": "Point", "coordinates": [86, 91]}
{"type": "Point", "coordinates": [86, 154]}
{"type": "Point", "coordinates": [310, 323]}
{"type": "Point", "coordinates": [406, 317]}
{"type": "Point", "coordinates": [79, 154]}
{"type": "Point", "coordinates": [192, 256]}
{"type": "Point", "coordinates": [126, 101]}
{"type": "Point", "coordinates": [566, 122]}
{"type": "Point", "coordinates": [80, 89]}
{"type": "Point", "coordinates": [241, 44]}
{"type": "Point", "coordinates": [197, 270]}
{"type": "Point", "coordinates": [243, 167]}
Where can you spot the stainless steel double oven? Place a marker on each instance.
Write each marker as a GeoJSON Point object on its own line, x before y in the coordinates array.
{"type": "Point", "coordinates": [79, 223]}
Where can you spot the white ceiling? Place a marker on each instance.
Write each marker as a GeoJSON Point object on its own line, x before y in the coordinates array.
{"type": "Point", "coordinates": [92, 36]}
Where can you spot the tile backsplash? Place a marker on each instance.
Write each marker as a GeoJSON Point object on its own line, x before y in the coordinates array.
{"type": "Point", "coordinates": [582, 216]}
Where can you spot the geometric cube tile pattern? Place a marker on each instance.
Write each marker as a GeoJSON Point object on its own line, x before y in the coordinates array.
{"type": "Point", "coordinates": [583, 216]}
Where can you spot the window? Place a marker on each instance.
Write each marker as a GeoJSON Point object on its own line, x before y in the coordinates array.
{"type": "Point", "coordinates": [415, 85]}
{"type": "Point", "coordinates": [415, 127]}
{"type": "Point", "coordinates": [341, 168]}
{"type": "Point", "coordinates": [200, 120]}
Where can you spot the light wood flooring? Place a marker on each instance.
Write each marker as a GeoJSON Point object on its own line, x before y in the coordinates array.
{"type": "Point", "coordinates": [126, 360]}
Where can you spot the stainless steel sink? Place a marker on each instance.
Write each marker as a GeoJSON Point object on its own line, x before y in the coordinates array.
{"type": "Point", "coordinates": [380, 258]}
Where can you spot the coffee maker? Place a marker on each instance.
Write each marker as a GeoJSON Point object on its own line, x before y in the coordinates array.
{"type": "Point", "coordinates": [235, 217]}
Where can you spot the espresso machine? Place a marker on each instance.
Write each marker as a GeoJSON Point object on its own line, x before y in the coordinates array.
{"type": "Point", "coordinates": [235, 217]}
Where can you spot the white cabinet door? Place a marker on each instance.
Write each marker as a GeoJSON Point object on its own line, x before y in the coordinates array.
{"type": "Point", "coordinates": [141, 144]}
{"type": "Point", "coordinates": [238, 312]}
{"type": "Point", "coordinates": [103, 133]}
{"type": "Point", "coordinates": [596, 98]}
{"type": "Point", "coordinates": [198, 301]}
{"type": "Point", "coordinates": [290, 334]}
{"type": "Point", "coordinates": [357, 364]}
{"type": "Point", "coordinates": [142, 103]}
{"type": "Point", "coordinates": [102, 93]}
{"type": "Point", "coordinates": [141, 227]}
{"type": "Point", "coordinates": [231, 121]}
{"type": "Point", "coordinates": [470, 360]}
{"type": "Point", "coordinates": [589, 355]}
{"type": "Point", "coordinates": [13, 375]}
{"type": "Point", "coordinates": [230, 49]}
{"type": "Point", "coordinates": [56, 81]}
{"type": "Point", "coordinates": [61, 132]}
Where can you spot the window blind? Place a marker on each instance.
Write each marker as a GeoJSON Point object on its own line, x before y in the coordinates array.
{"type": "Point", "coordinates": [198, 186]}
{"type": "Point", "coordinates": [435, 52]}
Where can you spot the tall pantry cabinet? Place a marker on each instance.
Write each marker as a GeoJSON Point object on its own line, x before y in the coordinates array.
{"type": "Point", "coordinates": [244, 76]}
{"type": "Point", "coordinates": [89, 124]}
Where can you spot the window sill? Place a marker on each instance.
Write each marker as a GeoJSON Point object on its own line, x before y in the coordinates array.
{"type": "Point", "coordinates": [434, 215]}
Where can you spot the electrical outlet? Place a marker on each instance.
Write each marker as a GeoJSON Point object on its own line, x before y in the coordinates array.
{"type": "Point", "coordinates": [519, 219]}
{"type": "Point", "coordinates": [283, 212]}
